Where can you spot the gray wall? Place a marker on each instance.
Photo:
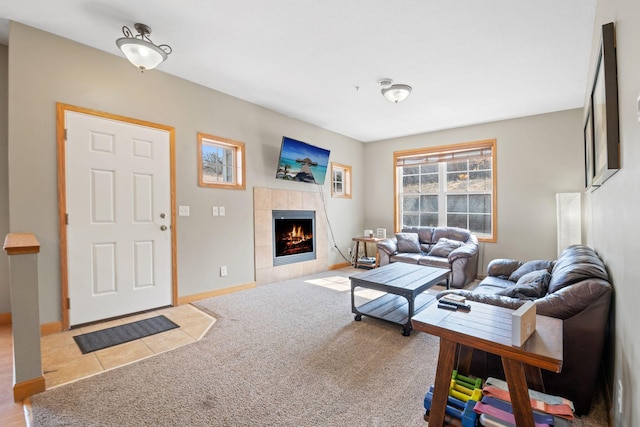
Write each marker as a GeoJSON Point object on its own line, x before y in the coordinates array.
{"type": "Point", "coordinates": [5, 300]}
{"type": "Point", "coordinates": [611, 212]}
{"type": "Point", "coordinates": [82, 76]}
{"type": "Point", "coordinates": [538, 156]}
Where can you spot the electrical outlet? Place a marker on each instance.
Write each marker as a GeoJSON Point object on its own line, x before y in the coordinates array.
{"type": "Point", "coordinates": [619, 396]}
{"type": "Point", "coordinates": [223, 271]}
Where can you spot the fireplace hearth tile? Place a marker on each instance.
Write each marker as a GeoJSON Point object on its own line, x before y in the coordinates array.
{"type": "Point", "coordinates": [266, 200]}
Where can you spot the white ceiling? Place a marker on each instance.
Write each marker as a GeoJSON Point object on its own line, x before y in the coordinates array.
{"type": "Point", "coordinates": [468, 61]}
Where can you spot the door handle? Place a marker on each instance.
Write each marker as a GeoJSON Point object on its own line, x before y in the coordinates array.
{"type": "Point", "coordinates": [163, 227]}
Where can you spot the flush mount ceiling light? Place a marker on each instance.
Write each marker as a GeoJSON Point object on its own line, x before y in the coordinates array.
{"type": "Point", "coordinates": [140, 50]}
{"type": "Point", "coordinates": [394, 92]}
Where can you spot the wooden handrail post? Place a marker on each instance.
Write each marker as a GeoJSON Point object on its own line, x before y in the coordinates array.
{"type": "Point", "coordinates": [23, 249]}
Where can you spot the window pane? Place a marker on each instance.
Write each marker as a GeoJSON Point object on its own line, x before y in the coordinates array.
{"type": "Point", "coordinates": [413, 170]}
{"type": "Point", "coordinates": [480, 181]}
{"type": "Point", "coordinates": [457, 220]}
{"type": "Point", "coordinates": [429, 204]}
{"type": "Point", "coordinates": [410, 184]}
{"type": "Point", "coordinates": [480, 203]}
{"type": "Point", "coordinates": [460, 165]}
{"type": "Point", "coordinates": [429, 219]}
{"type": "Point", "coordinates": [457, 204]}
{"type": "Point", "coordinates": [480, 224]}
{"type": "Point", "coordinates": [429, 183]}
{"type": "Point", "coordinates": [457, 182]}
{"type": "Point", "coordinates": [410, 220]}
{"type": "Point", "coordinates": [410, 204]}
{"type": "Point", "coordinates": [217, 163]}
{"type": "Point", "coordinates": [479, 164]}
{"type": "Point", "coordinates": [430, 168]}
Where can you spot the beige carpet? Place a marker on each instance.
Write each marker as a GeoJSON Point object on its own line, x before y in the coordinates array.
{"type": "Point", "coordinates": [286, 354]}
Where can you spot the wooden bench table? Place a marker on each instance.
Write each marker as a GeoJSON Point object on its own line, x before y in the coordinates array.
{"type": "Point", "coordinates": [488, 328]}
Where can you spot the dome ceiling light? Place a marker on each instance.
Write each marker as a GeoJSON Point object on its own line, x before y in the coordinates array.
{"type": "Point", "coordinates": [140, 50]}
{"type": "Point", "coordinates": [394, 92]}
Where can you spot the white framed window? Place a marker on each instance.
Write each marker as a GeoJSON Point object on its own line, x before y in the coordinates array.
{"type": "Point", "coordinates": [448, 186]}
{"type": "Point", "coordinates": [340, 180]}
{"type": "Point", "coordinates": [220, 162]}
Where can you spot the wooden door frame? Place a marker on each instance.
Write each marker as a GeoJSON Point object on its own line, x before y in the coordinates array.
{"type": "Point", "coordinates": [61, 109]}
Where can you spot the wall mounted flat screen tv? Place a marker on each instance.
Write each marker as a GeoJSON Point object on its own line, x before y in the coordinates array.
{"type": "Point", "coordinates": [302, 162]}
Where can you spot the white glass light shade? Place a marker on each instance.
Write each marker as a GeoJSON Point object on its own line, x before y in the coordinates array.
{"type": "Point", "coordinates": [396, 93]}
{"type": "Point", "coordinates": [141, 53]}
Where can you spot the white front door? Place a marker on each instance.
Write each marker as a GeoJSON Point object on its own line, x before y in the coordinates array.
{"type": "Point", "coordinates": [118, 202]}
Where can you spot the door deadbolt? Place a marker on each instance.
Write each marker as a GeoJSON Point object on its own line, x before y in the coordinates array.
{"type": "Point", "coordinates": [162, 215]}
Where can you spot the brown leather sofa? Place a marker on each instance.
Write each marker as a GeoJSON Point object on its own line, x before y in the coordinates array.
{"type": "Point", "coordinates": [574, 288]}
{"type": "Point", "coordinates": [444, 247]}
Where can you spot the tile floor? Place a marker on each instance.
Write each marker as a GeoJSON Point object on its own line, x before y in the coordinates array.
{"type": "Point", "coordinates": [63, 362]}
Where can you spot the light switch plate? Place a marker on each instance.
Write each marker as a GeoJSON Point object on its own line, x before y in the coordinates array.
{"type": "Point", "coordinates": [183, 210]}
{"type": "Point", "coordinates": [214, 211]}
{"type": "Point", "coordinates": [222, 211]}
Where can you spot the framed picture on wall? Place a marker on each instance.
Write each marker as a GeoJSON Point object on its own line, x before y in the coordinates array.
{"type": "Point", "coordinates": [588, 149]}
{"type": "Point", "coordinates": [604, 110]}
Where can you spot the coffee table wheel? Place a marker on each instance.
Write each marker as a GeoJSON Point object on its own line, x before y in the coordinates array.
{"type": "Point", "coordinates": [357, 317]}
{"type": "Point", "coordinates": [406, 331]}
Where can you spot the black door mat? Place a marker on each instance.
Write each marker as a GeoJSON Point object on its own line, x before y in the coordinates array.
{"type": "Point", "coordinates": [105, 338]}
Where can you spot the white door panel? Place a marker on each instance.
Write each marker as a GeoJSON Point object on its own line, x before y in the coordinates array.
{"type": "Point", "coordinates": [118, 202]}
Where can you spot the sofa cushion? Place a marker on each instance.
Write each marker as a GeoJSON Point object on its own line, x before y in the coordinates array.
{"type": "Point", "coordinates": [444, 247]}
{"type": "Point", "coordinates": [490, 285]}
{"type": "Point", "coordinates": [424, 233]}
{"type": "Point", "coordinates": [409, 258]}
{"type": "Point", "coordinates": [434, 261]}
{"type": "Point", "coordinates": [425, 247]}
{"type": "Point", "coordinates": [575, 264]}
{"type": "Point", "coordinates": [532, 285]}
{"type": "Point", "coordinates": [528, 267]}
{"type": "Point", "coordinates": [453, 233]}
{"type": "Point", "coordinates": [502, 267]}
{"type": "Point", "coordinates": [408, 242]}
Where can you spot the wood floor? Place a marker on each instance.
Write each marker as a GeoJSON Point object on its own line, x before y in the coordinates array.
{"type": "Point", "coordinates": [62, 361]}
{"type": "Point", "coordinates": [11, 414]}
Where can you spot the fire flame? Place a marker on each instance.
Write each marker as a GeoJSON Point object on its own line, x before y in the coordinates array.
{"type": "Point", "coordinates": [297, 234]}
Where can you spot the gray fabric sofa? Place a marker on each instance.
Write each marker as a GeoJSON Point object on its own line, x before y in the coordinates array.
{"type": "Point", "coordinates": [444, 247]}
{"type": "Point", "coordinates": [574, 288]}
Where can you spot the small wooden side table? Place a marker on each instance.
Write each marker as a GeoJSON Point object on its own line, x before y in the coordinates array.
{"type": "Point", "coordinates": [488, 328]}
{"type": "Point", "coordinates": [356, 263]}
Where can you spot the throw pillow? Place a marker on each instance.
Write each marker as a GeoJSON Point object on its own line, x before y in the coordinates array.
{"type": "Point", "coordinates": [532, 285]}
{"type": "Point", "coordinates": [528, 267]}
{"type": "Point", "coordinates": [408, 242]}
{"type": "Point", "coordinates": [444, 247]}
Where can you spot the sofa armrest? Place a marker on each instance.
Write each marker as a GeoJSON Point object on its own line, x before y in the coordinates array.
{"type": "Point", "coordinates": [502, 267]}
{"type": "Point", "coordinates": [500, 301]}
{"type": "Point", "coordinates": [389, 246]}
{"type": "Point", "coordinates": [573, 299]}
{"type": "Point", "coordinates": [467, 250]}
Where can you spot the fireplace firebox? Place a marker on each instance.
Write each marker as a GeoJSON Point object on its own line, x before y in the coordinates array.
{"type": "Point", "coordinates": [293, 236]}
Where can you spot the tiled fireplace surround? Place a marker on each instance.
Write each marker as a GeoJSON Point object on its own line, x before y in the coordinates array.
{"type": "Point", "coordinates": [265, 200]}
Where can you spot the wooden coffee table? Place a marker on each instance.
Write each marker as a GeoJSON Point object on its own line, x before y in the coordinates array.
{"type": "Point", "coordinates": [403, 285]}
{"type": "Point", "coordinates": [488, 328]}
